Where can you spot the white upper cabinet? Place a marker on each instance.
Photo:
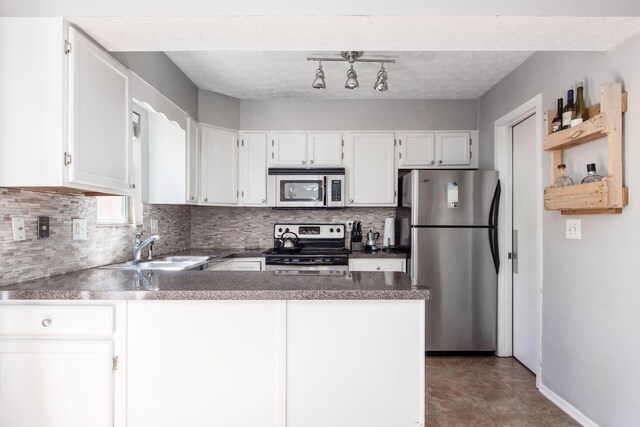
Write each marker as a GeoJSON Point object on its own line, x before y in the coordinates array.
{"type": "Point", "coordinates": [289, 149]}
{"type": "Point", "coordinates": [193, 155]}
{"type": "Point", "coordinates": [453, 148]}
{"type": "Point", "coordinates": [219, 166]}
{"type": "Point", "coordinates": [78, 96]}
{"type": "Point", "coordinates": [99, 116]}
{"type": "Point", "coordinates": [416, 149]}
{"type": "Point", "coordinates": [370, 169]}
{"type": "Point", "coordinates": [253, 168]}
{"type": "Point", "coordinates": [167, 161]}
{"type": "Point", "coordinates": [325, 148]}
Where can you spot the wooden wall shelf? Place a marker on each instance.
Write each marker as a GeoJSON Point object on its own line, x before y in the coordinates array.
{"type": "Point", "coordinates": [608, 196]}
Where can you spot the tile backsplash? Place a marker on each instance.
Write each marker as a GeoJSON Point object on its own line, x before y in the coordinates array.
{"type": "Point", "coordinates": [239, 227]}
{"type": "Point", "coordinates": [33, 258]}
{"type": "Point", "coordinates": [180, 227]}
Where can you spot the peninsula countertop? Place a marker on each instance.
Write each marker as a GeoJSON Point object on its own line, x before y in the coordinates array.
{"type": "Point", "coordinates": [99, 284]}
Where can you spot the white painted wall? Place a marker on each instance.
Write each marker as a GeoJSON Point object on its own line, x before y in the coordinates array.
{"type": "Point", "coordinates": [327, 7]}
{"type": "Point", "coordinates": [163, 74]}
{"type": "Point", "coordinates": [590, 337]}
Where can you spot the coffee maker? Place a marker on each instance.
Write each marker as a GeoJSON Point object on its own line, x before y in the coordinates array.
{"type": "Point", "coordinates": [371, 245]}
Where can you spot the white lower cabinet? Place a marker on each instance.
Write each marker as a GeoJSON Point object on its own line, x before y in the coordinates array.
{"type": "Point", "coordinates": [378, 264]}
{"type": "Point", "coordinates": [206, 363]}
{"type": "Point", "coordinates": [62, 364]}
{"type": "Point", "coordinates": [355, 363]}
{"type": "Point", "coordinates": [240, 264]}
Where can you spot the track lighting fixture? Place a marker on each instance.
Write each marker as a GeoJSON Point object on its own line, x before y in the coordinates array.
{"type": "Point", "coordinates": [352, 56]}
{"type": "Point", "coordinates": [319, 83]}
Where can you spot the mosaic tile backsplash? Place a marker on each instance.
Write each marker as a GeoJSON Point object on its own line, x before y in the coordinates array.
{"type": "Point", "coordinates": [33, 258]}
{"type": "Point", "coordinates": [240, 227]}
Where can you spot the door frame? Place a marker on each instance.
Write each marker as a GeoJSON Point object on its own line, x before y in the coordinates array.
{"type": "Point", "coordinates": [503, 164]}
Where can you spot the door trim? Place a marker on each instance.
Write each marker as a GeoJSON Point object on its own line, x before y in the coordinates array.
{"type": "Point", "coordinates": [503, 164]}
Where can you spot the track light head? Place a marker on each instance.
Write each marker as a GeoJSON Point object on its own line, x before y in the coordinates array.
{"type": "Point", "coordinates": [381, 80]}
{"type": "Point", "coordinates": [352, 79]}
{"type": "Point", "coordinates": [318, 82]}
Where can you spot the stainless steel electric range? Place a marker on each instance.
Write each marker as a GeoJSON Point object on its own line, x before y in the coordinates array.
{"type": "Point", "coordinates": [308, 249]}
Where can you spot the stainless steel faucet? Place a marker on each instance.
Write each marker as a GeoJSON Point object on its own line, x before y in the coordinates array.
{"type": "Point", "coordinates": [139, 245]}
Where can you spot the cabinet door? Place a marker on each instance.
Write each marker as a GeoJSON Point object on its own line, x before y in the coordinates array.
{"type": "Point", "coordinates": [370, 169]}
{"type": "Point", "coordinates": [206, 363]}
{"type": "Point", "coordinates": [416, 149]}
{"type": "Point", "coordinates": [355, 363]}
{"type": "Point", "coordinates": [167, 161]}
{"type": "Point", "coordinates": [99, 118]}
{"type": "Point", "coordinates": [453, 148]}
{"type": "Point", "coordinates": [289, 149]}
{"type": "Point", "coordinates": [325, 148]}
{"type": "Point", "coordinates": [56, 383]}
{"type": "Point", "coordinates": [193, 154]}
{"type": "Point", "coordinates": [219, 167]}
{"type": "Point", "coordinates": [253, 167]}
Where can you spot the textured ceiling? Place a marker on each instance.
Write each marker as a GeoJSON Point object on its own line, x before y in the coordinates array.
{"type": "Point", "coordinates": [415, 75]}
{"type": "Point", "coordinates": [392, 33]}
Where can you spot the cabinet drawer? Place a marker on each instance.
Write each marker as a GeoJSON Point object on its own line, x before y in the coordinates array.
{"type": "Point", "coordinates": [242, 264]}
{"type": "Point", "coordinates": [56, 320]}
{"type": "Point", "coordinates": [375, 264]}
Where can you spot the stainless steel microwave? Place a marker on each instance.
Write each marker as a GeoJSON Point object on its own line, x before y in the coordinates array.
{"type": "Point", "coordinates": [308, 187]}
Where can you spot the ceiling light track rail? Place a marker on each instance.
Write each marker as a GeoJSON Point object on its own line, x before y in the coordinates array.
{"type": "Point", "coordinates": [385, 61]}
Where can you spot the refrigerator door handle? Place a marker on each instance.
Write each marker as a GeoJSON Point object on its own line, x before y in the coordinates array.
{"type": "Point", "coordinates": [493, 230]}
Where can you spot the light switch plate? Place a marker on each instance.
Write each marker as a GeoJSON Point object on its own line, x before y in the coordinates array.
{"type": "Point", "coordinates": [574, 231]}
{"type": "Point", "coordinates": [19, 232]}
{"type": "Point", "coordinates": [79, 227]}
{"type": "Point", "coordinates": [154, 226]}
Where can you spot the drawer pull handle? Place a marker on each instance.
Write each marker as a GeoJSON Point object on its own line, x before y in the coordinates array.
{"type": "Point", "coordinates": [46, 323]}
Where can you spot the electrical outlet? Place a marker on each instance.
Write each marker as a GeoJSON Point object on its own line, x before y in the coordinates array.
{"type": "Point", "coordinates": [573, 231]}
{"type": "Point", "coordinates": [154, 226]}
{"type": "Point", "coordinates": [79, 226]}
{"type": "Point", "coordinates": [349, 224]}
{"type": "Point", "coordinates": [19, 232]}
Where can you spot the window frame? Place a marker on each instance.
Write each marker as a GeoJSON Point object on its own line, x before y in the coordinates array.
{"type": "Point", "coordinates": [125, 220]}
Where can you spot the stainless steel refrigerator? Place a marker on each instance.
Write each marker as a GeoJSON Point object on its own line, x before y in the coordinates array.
{"type": "Point", "coordinates": [449, 220]}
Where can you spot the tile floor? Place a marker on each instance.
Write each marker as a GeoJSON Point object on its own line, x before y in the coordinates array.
{"type": "Point", "coordinates": [486, 391]}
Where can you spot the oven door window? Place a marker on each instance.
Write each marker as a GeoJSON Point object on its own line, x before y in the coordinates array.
{"type": "Point", "coordinates": [301, 191]}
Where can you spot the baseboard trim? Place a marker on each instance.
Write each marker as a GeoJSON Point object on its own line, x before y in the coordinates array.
{"type": "Point", "coordinates": [571, 410]}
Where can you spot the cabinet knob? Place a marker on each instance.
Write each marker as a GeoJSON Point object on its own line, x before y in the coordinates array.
{"type": "Point", "coordinates": [303, 162]}
{"type": "Point", "coordinates": [205, 199]}
{"type": "Point", "coordinates": [46, 322]}
{"type": "Point", "coordinates": [264, 201]}
{"type": "Point", "coordinates": [378, 268]}
{"type": "Point", "coordinates": [310, 162]}
{"type": "Point", "coordinates": [439, 162]}
{"type": "Point", "coordinates": [432, 162]}
{"type": "Point", "coordinates": [133, 186]}
{"type": "Point", "coordinates": [350, 200]}
{"type": "Point", "coordinates": [193, 197]}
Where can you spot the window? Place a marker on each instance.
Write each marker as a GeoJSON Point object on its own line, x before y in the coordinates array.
{"type": "Point", "coordinates": [112, 209]}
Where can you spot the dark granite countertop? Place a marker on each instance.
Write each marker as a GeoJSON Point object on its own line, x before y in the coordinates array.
{"type": "Point", "coordinates": [97, 284]}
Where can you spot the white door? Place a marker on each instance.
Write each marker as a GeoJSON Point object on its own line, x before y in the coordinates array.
{"type": "Point", "coordinates": [253, 160]}
{"type": "Point", "coordinates": [56, 383]}
{"type": "Point", "coordinates": [325, 148]}
{"type": "Point", "coordinates": [167, 161]}
{"type": "Point", "coordinates": [206, 363]}
{"type": "Point", "coordinates": [344, 359]}
{"type": "Point", "coordinates": [219, 166]}
{"type": "Point", "coordinates": [370, 169]}
{"type": "Point", "coordinates": [289, 149]}
{"type": "Point", "coordinates": [192, 161]}
{"type": "Point", "coordinates": [525, 279]}
{"type": "Point", "coordinates": [453, 148]}
{"type": "Point", "coordinates": [416, 149]}
{"type": "Point", "coordinates": [99, 117]}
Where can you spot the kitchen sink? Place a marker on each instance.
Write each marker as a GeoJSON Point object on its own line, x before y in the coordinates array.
{"type": "Point", "coordinates": [168, 263]}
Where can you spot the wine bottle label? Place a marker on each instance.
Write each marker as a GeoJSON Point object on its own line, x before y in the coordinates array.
{"type": "Point", "coordinates": [556, 126]}
{"type": "Point", "coordinates": [566, 118]}
{"type": "Point", "coordinates": [576, 122]}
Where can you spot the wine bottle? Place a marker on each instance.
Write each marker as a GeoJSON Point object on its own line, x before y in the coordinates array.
{"type": "Point", "coordinates": [579, 114]}
{"type": "Point", "coordinates": [567, 111]}
{"type": "Point", "coordinates": [556, 124]}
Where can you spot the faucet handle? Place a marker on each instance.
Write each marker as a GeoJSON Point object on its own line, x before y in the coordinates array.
{"type": "Point", "coordinates": [138, 239]}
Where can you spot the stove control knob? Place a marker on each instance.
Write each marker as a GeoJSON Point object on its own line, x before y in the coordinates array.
{"type": "Point", "coordinates": [338, 230]}
{"type": "Point", "coordinates": [331, 230]}
{"type": "Point", "coordinates": [286, 230]}
{"type": "Point", "coordinates": [280, 230]}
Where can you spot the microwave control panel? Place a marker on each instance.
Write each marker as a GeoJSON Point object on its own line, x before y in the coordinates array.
{"type": "Point", "coordinates": [336, 190]}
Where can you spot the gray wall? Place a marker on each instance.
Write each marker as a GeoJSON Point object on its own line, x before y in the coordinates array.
{"type": "Point", "coordinates": [163, 74]}
{"type": "Point", "coordinates": [219, 110]}
{"type": "Point", "coordinates": [591, 298]}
